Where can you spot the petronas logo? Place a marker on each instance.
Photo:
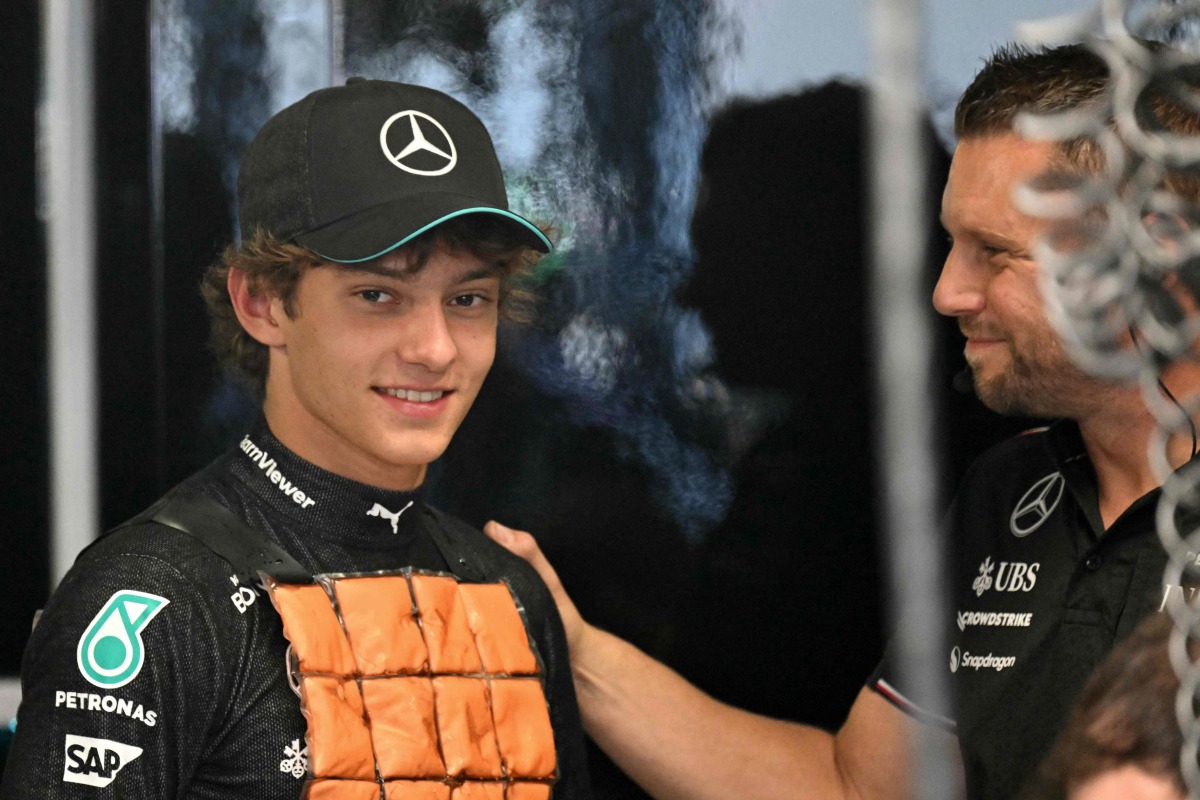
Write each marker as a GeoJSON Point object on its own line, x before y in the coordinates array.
{"type": "Point", "coordinates": [110, 651]}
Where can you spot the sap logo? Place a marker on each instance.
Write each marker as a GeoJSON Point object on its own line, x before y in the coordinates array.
{"type": "Point", "coordinates": [110, 652]}
{"type": "Point", "coordinates": [95, 762]}
{"type": "Point", "coordinates": [1011, 576]}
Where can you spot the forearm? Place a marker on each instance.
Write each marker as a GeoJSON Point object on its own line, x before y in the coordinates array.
{"type": "Point", "coordinates": [679, 743]}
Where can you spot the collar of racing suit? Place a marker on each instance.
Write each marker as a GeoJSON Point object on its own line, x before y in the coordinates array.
{"type": "Point", "coordinates": [326, 503]}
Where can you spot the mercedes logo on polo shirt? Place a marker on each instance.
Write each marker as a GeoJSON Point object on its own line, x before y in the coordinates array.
{"type": "Point", "coordinates": [429, 149]}
{"type": "Point", "coordinates": [1036, 505]}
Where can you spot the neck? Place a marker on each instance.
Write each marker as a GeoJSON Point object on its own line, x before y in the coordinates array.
{"type": "Point", "coordinates": [1117, 437]}
{"type": "Point", "coordinates": [319, 444]}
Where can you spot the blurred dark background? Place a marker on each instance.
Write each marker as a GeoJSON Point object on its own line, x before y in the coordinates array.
{"type": "Point", "coordinates": [722, 516]}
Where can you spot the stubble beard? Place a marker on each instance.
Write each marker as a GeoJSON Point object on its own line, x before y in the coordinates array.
{"type": "Point", "coordinates": [1042, 383]}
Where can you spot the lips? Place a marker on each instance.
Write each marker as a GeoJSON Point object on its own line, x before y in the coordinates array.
{"type": "Point", "coordinates": [981, 332]}
{"type": "Point", "coordinates": [980, 337]}
{"type": "Point", "coordinates": [977, 346]}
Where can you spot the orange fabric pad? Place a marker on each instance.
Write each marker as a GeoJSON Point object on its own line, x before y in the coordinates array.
{"type": "Point", "coordinates": [523, 729]}
{"type": "Point", "coordinates": [311, 626]}
{"type": "Point", "coordinates": [499, 631]}
{"type": "Point", "coordinates": [473, 790]}
{"type": "Point", "coordinates": [528, 791]}
{"type": "Point", "coordinates": [418, 705]}
{"type": "Point", "coordinates": [416, 790]}
{"type": "Point", "coordinates": [465, 728]}
{"type": "Point", "coordinates": [339, 744]}
{"type": "Point", "coordinates": [342, 790]}
{"type": "Point", "coordinates": [444, 622]}
{"type": "Point", "coordinates": [402, 724]}
{"type": "Point", "coordinates": [378, 615]}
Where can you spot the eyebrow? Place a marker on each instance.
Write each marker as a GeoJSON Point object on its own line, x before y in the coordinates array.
{"type": "Point", "coordinates": [998, 238]}
{"type": "Point", "coordinates": [987, 234]}
{"type": "Point", "coordinates": [479, 273]}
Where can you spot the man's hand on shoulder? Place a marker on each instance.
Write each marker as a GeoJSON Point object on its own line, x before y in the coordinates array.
{"type": "Point", "coordinates": [524, 545]}
{"type": "Point", "coordinates": [677, 742]}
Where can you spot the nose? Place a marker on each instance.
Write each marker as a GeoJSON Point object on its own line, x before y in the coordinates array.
{"type": "Point", "coordinates": [960, 288]}
{"type": "Point", "coordinates": [425, 338]}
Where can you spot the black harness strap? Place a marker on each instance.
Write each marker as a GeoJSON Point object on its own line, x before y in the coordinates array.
{"type": "Point", "coordinates": [248, 551]}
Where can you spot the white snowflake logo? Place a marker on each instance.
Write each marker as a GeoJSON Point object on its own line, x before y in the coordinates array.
{"type": "Point", "coordinates": [297, 759]}
{"type": "Point", "coordinates": [984, 581]}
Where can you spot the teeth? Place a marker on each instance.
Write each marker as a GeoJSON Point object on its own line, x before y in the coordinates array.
{"type": "Point", "coordinates": [412, 396]}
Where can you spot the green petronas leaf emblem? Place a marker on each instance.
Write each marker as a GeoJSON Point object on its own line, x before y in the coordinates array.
{"type": "Point", "coordinates": [110, 652]}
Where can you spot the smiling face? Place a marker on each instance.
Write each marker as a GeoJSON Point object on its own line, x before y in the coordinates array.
{"type": "Point", "coordinates": [376, 369]}
{"type": "Point", "coordinates": [990, 284]}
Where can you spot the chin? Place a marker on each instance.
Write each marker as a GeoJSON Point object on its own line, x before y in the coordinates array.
{"type": "Point", "coordinates": [410, 452]}
{"type": "Point", "coordinates": [997, 396]}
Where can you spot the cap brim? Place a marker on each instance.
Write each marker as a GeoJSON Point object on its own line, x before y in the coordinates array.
{"type": "Point", "coordinates": [375, 231]}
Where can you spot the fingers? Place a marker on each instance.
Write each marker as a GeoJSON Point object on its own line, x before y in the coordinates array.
{"type": "Point", "coordinates": [525, 546]}
{"type": "Point", "coordinates": [519, 542]}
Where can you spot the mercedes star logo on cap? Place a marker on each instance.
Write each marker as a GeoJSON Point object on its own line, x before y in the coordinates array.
{"type": "Point", "coordinates": [419, 144]}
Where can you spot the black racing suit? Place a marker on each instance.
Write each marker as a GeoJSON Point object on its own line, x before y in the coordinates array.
{"type": "Point", "coordinates": [154, 673]}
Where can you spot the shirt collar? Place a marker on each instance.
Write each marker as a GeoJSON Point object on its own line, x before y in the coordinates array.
{"type": "Point", "coordinates": [1065, 444]}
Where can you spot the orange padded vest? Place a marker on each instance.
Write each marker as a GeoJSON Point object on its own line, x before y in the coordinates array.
{"type": "Point", "coordinates": [417, 687]}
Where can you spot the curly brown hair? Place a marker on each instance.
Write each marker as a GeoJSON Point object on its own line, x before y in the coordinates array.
{"type": "Point", "coordinates": [276, 267]}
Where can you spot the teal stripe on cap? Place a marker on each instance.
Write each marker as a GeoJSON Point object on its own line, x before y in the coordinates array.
{"type": "Point", "coordinates": [435, 223]}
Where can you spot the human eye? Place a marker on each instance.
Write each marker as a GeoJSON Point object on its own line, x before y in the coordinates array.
{"type": "Point", "coordinates": [374, 296]}
{"type": "Point", "coordinates": [470, 300]}
{"type": "Point", "coordinates": [1004, 255]}
{"type": "Point", "coordinates": [993, 250]}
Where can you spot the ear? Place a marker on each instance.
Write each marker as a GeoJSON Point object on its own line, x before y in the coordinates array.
{"type": "Point", "coordinates": [257, 312]}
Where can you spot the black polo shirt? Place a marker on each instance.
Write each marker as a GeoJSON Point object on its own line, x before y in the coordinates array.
{"type": "Point", "coordinates": [1040, 594]}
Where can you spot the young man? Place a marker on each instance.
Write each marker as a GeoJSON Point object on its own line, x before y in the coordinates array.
{"type": "Point", "coordinates": [378, 255]}
{"type": "Point", "coordinates": [1056, 555]}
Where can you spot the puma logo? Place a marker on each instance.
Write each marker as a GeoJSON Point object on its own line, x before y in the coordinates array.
{"type": "Point", "coordinates": [393, 516]}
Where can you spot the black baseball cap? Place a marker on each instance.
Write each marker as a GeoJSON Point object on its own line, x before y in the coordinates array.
{"type": "Point", "coordinates": [352, 172]}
